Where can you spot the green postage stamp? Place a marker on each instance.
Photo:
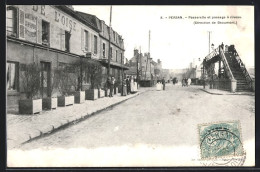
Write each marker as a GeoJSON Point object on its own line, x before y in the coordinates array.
{"type": "Point", "coordinates": [220, 140]}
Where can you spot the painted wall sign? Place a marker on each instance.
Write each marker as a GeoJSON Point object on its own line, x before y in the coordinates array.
{"type": "Point", "coordinates": [30, 27]}
{"type": "Point", "coordinates": [65, 21]}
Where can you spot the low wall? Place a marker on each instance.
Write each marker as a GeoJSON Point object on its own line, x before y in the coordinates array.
{"type": "Point", "coordinates": [222, 84]}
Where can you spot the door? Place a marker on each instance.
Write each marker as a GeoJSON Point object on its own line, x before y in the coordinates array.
{"type": "Point", "coordinates": [45, 79]}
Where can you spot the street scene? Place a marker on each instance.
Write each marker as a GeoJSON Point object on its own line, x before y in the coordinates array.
{"type": "Point", "coordinates": [87, 88]}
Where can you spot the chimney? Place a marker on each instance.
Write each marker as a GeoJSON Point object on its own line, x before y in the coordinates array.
{"type": "Point", "coordinates": [135, 52]}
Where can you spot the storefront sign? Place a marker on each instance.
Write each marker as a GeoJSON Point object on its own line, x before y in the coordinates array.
{"type": "Point", "coordinates": [30, 27]}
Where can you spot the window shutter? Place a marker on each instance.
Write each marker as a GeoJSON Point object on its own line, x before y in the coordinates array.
{"type": "Point", "coordinates": [21, 24]}
{"type": "Point", "coordinates": [39, 30]}
{"type": "Point", "coordinates": [82, 40]}
{"type": "Point", "coordinates": [62, 32]}
{"type": "Point", "coordinates": [91, 43]}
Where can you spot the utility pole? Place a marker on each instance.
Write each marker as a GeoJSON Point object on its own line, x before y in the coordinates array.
{"type": "Point", "coordinates": [109, 43]}
{"type": "Point", "coordinates": [141, 64]}
{"type": "Point", "coordinates": [122, 75]}
{"type": "Point", "coordinates": [137, 70]}
{"type": "Point", "coordinates": [209, 40]}
{"type": "Point", "coordinates": [149, 42]}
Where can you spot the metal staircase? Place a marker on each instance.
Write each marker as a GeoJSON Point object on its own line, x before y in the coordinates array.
{"type": "Point", "coordinates": [234, 67]}
{"type": "Point", "coordinates": [239, 71]}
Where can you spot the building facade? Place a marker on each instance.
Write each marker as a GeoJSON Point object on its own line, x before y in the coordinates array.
{"type": "Point", "coordinates": [55, 36]}
{"type": "Point", "coordinates": [147, 68]}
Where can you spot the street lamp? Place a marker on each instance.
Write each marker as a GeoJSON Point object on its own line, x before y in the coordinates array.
{"type": "Point", "coordinates": [212, 46]}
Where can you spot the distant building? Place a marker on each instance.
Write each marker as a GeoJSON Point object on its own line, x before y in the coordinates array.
{"type": "Point", "coordinates": [147, 68]}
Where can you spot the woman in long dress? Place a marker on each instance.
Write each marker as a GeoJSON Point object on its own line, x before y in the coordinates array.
{"type": "Point", "coordinates": [189, 82]}
{"type": "Point", "coordinates": [132, 84]}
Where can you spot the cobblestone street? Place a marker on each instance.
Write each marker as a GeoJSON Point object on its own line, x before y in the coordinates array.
{"type": "Point", "coordinates": [156, 127]}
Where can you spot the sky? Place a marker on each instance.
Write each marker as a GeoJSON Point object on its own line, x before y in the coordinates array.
{"type": "Point", "coordinates": [178, 42]}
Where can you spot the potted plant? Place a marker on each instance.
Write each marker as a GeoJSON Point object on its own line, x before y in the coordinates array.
{"type": "Point", "coordinates": [51, 102]}
{"type": "Point", "coordinates": [30, 77]}
{"type": "Point", "coordinates": [64, 87]}
{"type": "Point", "coordinates": [95, 72]}
{"type": "Point", "coordinates": [76, 79]}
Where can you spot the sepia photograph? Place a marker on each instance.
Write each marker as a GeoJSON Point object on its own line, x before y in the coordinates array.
{"type": "Point", "coordinates": [130, 85]}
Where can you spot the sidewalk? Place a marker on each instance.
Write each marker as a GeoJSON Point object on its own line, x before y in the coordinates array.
{"type": "Point", "coordinates": [22, 128]}
{"type": "Point", "coordinates": [221, 92]}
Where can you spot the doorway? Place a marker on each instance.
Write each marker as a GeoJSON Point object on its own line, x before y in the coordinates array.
{"type": "Point", "coordinates": [45, 79]}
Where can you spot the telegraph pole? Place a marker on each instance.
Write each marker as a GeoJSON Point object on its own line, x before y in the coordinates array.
{"type": "Point", "coordinates": [109, 43]}
{"type": "Point", "coordinates": [137, 71]}
{"type": "Point", "coordinates": [149, 42]}
{"type": "Point", "coordinates": [209, 40]}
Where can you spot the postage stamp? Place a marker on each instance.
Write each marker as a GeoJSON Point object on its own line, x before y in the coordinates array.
{"type": "Point", "coordinates": [221, 143]}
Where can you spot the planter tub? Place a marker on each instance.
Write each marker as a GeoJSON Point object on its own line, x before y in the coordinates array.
{"type": "Point", "coordinates": [91, 94]}
{"type": "Point", "coordinates": [79, 96]}
{"type": "Point", "coordinates": [29, 106]}
{"type": "Point", "coordinates": [49, 103]}
{"type": "Point", "coordinates": [115, 90]}
{"type": "Point", "coordinates": [65, 100]}
{"type": "Point", "coordinates": [101, 93]}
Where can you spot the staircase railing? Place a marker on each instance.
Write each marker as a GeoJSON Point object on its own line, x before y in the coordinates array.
{"type": "Point", "coordinates": [226, 65]}
{"type": "Point", "coordinates": [243, 68]}
{"type": "Point", "coordinates": [214, 53]}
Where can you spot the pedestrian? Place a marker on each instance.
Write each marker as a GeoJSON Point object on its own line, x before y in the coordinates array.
{"type": "Point", "coordinates": [124, 91]}
{"type": "Point", "coordinates": [222, 46]}
{"type": "Point", "coordinates": [183, 82]}
{"type": "Point", "coordinates": [131, 84]}
{"type": "Point", "coordinates": [112, 86]}
{"type": "Point", "coordinates": [108, 85]}
{"type": "Point", "coordinates": [189, 81]}
{"type": "Point", "coordinates": [128, 85]}
{"type": "Point", "coordinates": [163, 83]}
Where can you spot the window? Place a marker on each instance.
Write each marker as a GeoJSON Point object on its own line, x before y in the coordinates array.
{"type": "Point", "coordinates": [11, 21]}
{"type": "Point", "coordinates": [86, 40]}
{"type": "Point", "coordinates": [104, 50]}
{"type": "Point", "coordinates": [45, 32]}
{"type": "Point", "coordinates": [111, 53]}
{"type": "Point", "coordinates": [67, 41]}
{"type": "Point", "coordinates": [122, 58]}
{"type": "Point", "coordinates": [12, 76]}
{"type": "Point", "coordinates": [114, 33]}
{"type": "Point", "coordinates": [116, 55]}
{"type": "Point", "coordinates": [95, 44]}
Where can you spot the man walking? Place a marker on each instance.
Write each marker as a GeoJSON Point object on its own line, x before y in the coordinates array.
{"type": "Point", "coordinates": [163, 82]}
{"type": "Point", "coordinates": [127, 85]}
{"type": "Point", "coordinates": [112, 86]}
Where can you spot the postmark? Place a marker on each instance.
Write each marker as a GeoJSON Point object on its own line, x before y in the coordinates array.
{"type": "Point", "coordinates": [221, 144]}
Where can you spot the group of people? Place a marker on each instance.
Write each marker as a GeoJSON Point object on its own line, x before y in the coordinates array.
{"type": "Point", "coordinates": [186, 82]}
{"type": "Point", "coordinates": [160, 85]}
{"type": "Point", "coordinates": [110, 84]}
{"type": "Point", "coordinates": [130, 83]}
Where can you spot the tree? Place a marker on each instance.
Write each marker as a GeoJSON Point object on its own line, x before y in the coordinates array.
{"type": "Point", "coordinates": [64, 83]}
{"type": "Point", "coordinates": [54, 80]}
{"type": "Point", "coordinates": [94, 69]}
{"type": "Point", "coordinates": [31, 80]}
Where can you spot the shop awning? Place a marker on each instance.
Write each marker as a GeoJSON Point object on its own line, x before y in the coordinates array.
{"type": "Point", "coordinates": [119, 65]}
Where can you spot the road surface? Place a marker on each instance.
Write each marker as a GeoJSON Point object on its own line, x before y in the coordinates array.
{"type": "Point", "coordinates": [155, 123]}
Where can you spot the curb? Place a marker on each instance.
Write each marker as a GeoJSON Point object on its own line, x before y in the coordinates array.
{"type": "Point", "coordinates": [246, 94]}
{"type": "Point", "coordinates": [75, 121]}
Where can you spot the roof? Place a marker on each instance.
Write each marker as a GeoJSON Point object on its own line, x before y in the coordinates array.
{"type": "Point", "coordinates": [89, 22]}
{"type": "Point", "coordinates": [90, 18]}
